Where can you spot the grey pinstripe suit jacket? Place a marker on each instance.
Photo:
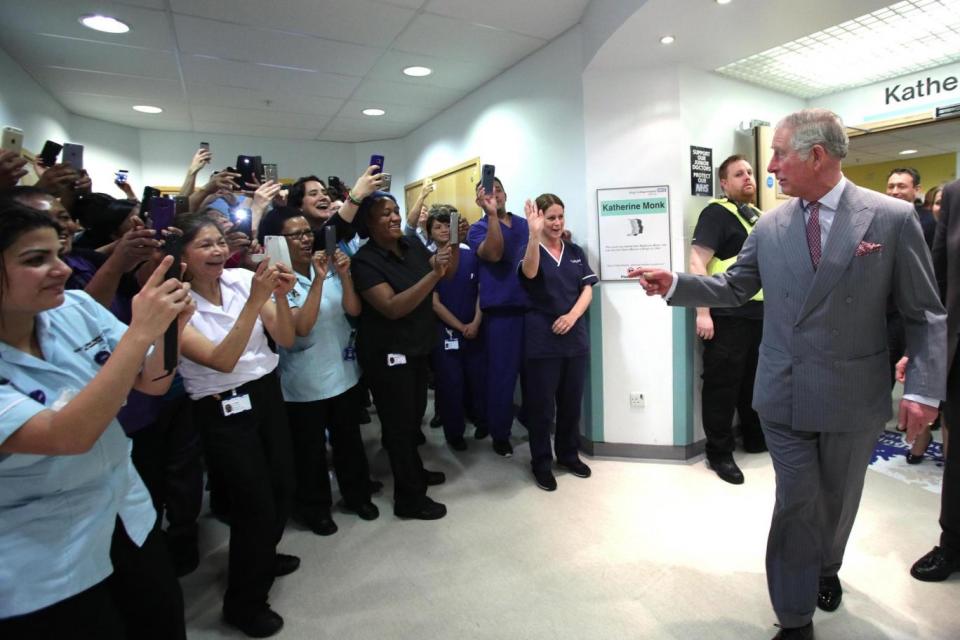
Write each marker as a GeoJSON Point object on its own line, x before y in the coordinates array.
{"type": "Point", "coordinates": [823, 359]}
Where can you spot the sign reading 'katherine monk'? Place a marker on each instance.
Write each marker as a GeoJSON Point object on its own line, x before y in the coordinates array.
{"type": "Point", "coordinates": [634, 229]}
{"type": "Point", "coordinates": [701, 171]}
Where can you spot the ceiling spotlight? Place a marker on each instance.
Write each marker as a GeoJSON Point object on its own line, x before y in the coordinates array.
{"type": "Point", "coordinates": [723, 1]}
{"type": "Point", "coordinates": [104, 23]}
{"type": "Point", "coordinates": [418, 72]}
{"type": "Point", "coordinates": [145, 108]}
{"type": "Point", "coordinates": [908, 152]}
{"type": "Point", "coordinates": [667, 40]}
{"type": "Point", "coordinates": [373, 112]}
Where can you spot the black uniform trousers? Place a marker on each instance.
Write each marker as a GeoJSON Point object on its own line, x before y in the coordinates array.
{"type": "Point", "coordinates": [251, 456]}
{"type": "Point", "coordinates": [309, 423]}
{"type": "Point", "coordinates": [729, 369]}
{"type": "Point", "coordinates": [400, 394]}
{"type": "Point", "coordinates": [554, 387]}
{"type": "Point", "coordinates": [140, 599]}
{"type": "Point", "coordinates": [950, 494]}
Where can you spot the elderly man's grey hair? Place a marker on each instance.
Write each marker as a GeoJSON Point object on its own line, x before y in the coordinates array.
{"type": "Point", "coordinates": [816, 126]}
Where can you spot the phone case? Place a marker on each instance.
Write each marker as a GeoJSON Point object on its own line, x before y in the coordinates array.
{"type": "Point", "coordinates": [277, 250]}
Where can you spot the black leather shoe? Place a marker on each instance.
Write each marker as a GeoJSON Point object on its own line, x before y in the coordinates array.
{"type": "Point", "coordinates": [503, 448]}
{"type": "Point", "coordinates": [262, 623]}
{"type": "Point", "coordinates": [366, 510]}
{"type": "Point", "coordinates": [936, 566]}
{"type": "Point", "coordinates": [436, 422]}
{"type": "Point", "coordinates": [434, 477]}
{"type": "Point", "coordinates": [576, 467]}
{"type": "Point", "coordinates": [375, 486]}
{"type": "Point", "coordinates": [479, 433]}
{"type": "Point", "coordinates": [912, 459]}
{"type": "Point", "coordinates": [795, 633]}
{"type": "Point", "coordinates": [457, 443]}
{"type": "Point", "coordinates": [545, 479]}
{"type": "Point", "coordinates": [727, 469]}
{"type": "Point", "coordinates": [427, 510]}
{"type": "Point", "coordinates": [829, 593]}
{"type": "Point", "coordinates": [419, 438]}
{"type": "Point", "coordinates": [322, 524]}
{"type": "Point", "coordinates": [286, 564]}
{"type": "Point", "coordinates": [754, 445]}
{"type": "Point", "coordinates": [365, 417]}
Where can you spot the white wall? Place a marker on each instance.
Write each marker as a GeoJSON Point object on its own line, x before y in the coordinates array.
{"type": "Point", "coordinates": [107, 148]}
{"type": "Point", "coordinates": [528, 121]}
{"type": "Point", "coordinates": [26, 105]}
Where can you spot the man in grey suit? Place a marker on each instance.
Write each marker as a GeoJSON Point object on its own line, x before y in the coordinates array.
{"type": "Point", "coordinates": [827, 261]}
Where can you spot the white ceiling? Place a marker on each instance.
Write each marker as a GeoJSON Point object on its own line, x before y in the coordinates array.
{"type": "Point", "coordinates": [300, 69]}
{"type": "Point", "coordinates": [928, 139]}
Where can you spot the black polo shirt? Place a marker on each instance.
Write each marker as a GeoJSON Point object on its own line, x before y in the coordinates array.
{"type": "Point", "coordinates": [411, 335]}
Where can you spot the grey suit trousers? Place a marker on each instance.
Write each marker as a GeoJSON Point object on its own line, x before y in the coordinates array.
{"type": "Point", "coordinates": [819, 483]}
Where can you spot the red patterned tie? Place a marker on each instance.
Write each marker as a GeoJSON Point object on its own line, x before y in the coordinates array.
{"type": "Point", "coordinates": [813, 234]}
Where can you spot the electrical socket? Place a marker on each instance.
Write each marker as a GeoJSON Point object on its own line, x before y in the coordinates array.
{"type": "Point", "coordinates": [637, 400]}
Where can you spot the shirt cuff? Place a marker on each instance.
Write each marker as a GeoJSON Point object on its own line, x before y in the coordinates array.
{"type": "Point", "coordinates": [673, 287]}
{"type": "Point", "coordinates": [930, 402]}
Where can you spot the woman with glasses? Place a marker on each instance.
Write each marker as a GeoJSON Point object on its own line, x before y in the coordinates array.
{"type": "Point", "coordinates": [319, 376]}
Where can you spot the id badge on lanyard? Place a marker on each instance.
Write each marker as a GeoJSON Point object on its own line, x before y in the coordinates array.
{"type": "Point", "coordinates": [451, 343]}
{"type": "Point", "coordinates": [350, 351]}
{"type": "Point", "coordinates": [235, 404]}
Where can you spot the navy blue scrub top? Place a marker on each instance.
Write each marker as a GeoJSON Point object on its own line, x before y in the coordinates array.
{"type": "Point", "coordinates": [459, 295]}
{"type": "Point", "coordinates": [500, 289]}
{"type": "Point", "coordinates": [553, 292]}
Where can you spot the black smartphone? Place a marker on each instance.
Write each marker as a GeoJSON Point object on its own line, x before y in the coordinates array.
{"type": "Point", "coordinates": [487, 174]}
{"type": "Point", "coordinates": [250, 169]}
{"type": "Point", "coordinates": [181, 204]}
{"type": "Point", "coordinates": [377, 160]}
{"type": "Point", "coordinates": [73, 155]}
{"type": "Point", "coordinates": [149, 193]}
{"type": "Point", "coordinates": [330, 241]}
{"type": "Point", "coordinates": [50, 152]}
{"type": "Point", "coordinates": [171, 337]}
{"type": "Point", "coordinates": [162, 213]}
{"type": "Point", "coordinates": [205, 146]}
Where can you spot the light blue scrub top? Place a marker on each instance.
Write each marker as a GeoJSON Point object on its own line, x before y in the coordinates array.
{"type": "Point", "coordinates": [57, 513]}
{"type": "Point", "coordinates": [314, 368]}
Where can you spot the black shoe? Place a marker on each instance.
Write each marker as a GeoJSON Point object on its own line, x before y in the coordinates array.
{"type": "Point", "coordinates": [545, 479]}
{"type": "Point", "coordinates": [576, 467]}
{"type": "Point", "coordinates": [375, 486]}
{"type": "Point", "coordinates": [912, 459]}
{"type": "Point", "coordinates": [420, 438]}
{"type": "Point", "coordinates": [435, 422]}
{"type": "Point", "coordinates": [829, 593]}
{"type": "Point", "coordinates": [457, 443]}
{"type": "Point", "coordinates": [365, 417]}
{"type": "Point", "coordinates": [260, 624]}
{"type": "Point", "coordinates": [727, 469]}
{"type": "Point", "coordinates": [479, 433]}
{"type": "Point", "coordinates": [796, 633]}
{"type": "Point", "coordinates": [427, 510]}
{"type": "Point", "coordinates": [286, 564]}
{"type": "Point", "coordinates": [322, 524]}
{"type": "Point", "coordinates": [755, 445]}
{"type": "Point", "coordinates": [936, 566]}
{"type": "Point", "coordinates": [184, 554]}
{"type": "Point", "coordinates": [434, 477]}
{"type": "Point", "coordinates": [503, 448]}
{"type": "Point", "coordinates": [366, 510]}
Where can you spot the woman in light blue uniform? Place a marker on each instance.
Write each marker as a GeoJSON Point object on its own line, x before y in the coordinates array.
{"type": "Point", "coordinates": [67, 486]}
{"type": "Point", "coordinates": [556, 346]}
{"type": "Point", "coordinates": [320, 378]}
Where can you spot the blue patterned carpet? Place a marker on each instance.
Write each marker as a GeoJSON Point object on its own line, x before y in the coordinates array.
{"type": "Point", "coordinates": [889, 458]}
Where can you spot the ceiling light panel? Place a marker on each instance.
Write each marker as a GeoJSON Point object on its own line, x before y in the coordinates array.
{"type": "Point", "coordinates": [906, 37]}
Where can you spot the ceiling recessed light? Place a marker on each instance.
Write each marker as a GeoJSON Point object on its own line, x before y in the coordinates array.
{"type": "Point", "coordinates": [908, 152]}
{"type": "Point", "coordinates": [104, 23]}
{"type": "Point", "coordinates": [418, 72]}
{"type": "Point", "coordinates": [667, 40]}
{"type": "Point", "coordinates": [145, 108]}
{"type": "Point", "coordinates": [723, 1]}
{"type": "Point", "coordinates": [373, 112]}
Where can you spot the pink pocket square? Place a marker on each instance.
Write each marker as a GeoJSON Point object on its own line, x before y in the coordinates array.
{"type": "Point", "coordinates": [865, 248]}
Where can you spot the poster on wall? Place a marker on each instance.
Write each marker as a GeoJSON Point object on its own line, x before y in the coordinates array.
{"type": "Point", "coordinates": [634, 229]}
{"type": "Point", "coordinates": [701, 171]}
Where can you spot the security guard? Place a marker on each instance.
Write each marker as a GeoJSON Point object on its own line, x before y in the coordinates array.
{"type": "Point", "coordinates": [731, 337]}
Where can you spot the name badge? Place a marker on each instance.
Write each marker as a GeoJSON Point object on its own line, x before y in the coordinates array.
{"type": "Point", "coordinates": [236, 404]}
{"type": "Point", "coordinates": [349, 353]}
{"type": "Point", "coordinates": [396, 359]}
{"type": "Point", "coordinates": [451, 345]}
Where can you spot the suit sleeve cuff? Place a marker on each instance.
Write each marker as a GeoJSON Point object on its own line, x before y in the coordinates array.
{"type": "Point", "coordinates": [930, 402]}
{"type": "Point", "coordinates": [673, 287]}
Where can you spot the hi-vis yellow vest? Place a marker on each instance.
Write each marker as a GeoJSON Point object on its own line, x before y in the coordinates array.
{"type": "Point", "coordinates": [719, 266]}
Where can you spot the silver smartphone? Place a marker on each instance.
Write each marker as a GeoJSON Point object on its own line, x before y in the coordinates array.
{"type": "Point", "coordinates": [73, 155]}
{"type": "Point", "coordinates": [387, 179]}
{"type": "Point", "coordinates": [454, 229]}
{"type": "Point", "coordinates": [269, 172]}
{"type": "Point", "coordinates": [12, 139]}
